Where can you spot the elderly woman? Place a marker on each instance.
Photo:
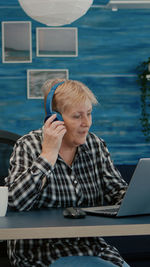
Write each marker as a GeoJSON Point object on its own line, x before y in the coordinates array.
{"type": "Point", "coordinates": [63, 165]}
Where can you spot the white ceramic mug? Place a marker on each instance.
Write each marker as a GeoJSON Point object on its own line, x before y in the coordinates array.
{"type": "Point", "coordinates": [3, 200]}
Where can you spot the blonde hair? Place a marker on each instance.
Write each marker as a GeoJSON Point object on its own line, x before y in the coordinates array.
{"type": "Point", "coordinates": [67, 94]}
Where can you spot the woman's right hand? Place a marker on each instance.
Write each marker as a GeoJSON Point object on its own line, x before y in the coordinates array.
{"type": "Point", "coordinates": [53, 134]}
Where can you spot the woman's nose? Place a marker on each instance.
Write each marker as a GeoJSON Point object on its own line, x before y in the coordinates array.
{"type": "Point", "coordinates": [86, 121]}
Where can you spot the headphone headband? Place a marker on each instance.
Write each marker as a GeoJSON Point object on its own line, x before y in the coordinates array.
{"type": "Point", "coordinates": [49, 99]}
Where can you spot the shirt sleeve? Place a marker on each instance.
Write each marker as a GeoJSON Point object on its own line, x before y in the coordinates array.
{"type": "Point", "coordinates": [27, 173]}
{"type": "Point", "coordinates": [114, 186]}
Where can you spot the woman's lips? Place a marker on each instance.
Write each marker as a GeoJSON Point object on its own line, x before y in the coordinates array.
{"type": "Point", "coordinates": [83, 132]}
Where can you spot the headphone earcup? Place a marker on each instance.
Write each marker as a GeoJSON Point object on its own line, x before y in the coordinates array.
{"type": "Point", "coordinates": [58, 116]}
{"type": "Point", "coordinates": [49, 110]}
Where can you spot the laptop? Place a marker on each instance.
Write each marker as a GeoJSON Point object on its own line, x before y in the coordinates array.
{"type": "Point", "coordinates": [136, 201]}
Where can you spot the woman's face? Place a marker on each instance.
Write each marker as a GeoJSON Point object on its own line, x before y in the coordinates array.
{"type": "Point", "coordinates": [77, 119]}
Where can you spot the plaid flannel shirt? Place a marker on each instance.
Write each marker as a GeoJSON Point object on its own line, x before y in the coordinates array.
{"type": "Point", "coordinates": [91, 179]}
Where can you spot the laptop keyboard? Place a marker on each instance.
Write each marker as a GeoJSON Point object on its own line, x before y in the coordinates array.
{"type": "Point", "coordinates": [105, 211]}
{"type": "Point", "coordinates": [111, 211]}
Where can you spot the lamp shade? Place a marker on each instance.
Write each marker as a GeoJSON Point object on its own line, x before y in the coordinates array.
{"type": "Point", "coordinates": [55, 12]}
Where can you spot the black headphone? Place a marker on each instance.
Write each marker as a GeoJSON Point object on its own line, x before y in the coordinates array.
{"type": "Point", "coordinates": [49, 110]}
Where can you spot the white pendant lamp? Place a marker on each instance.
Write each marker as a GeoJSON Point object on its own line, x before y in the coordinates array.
{"type": "Point", "coordinates": [55, 12]}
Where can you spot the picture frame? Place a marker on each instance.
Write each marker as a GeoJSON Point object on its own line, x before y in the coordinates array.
{"type": "Point", "coordinates": [16, 42]}
{"type": "Point", "coordinates": [56, 42]}
{"type": "Point", "coordinates": [37, 77]}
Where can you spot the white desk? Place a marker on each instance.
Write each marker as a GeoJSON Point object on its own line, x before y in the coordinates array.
{"type": "Point", "coordinates": [50, 223]}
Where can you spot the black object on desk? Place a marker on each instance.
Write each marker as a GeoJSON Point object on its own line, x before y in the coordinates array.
{"type": "Point", "coordinates": [74, 213]}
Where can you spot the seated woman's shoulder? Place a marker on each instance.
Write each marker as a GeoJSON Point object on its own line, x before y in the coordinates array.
{"type": "Point", "coordinates": [34, 135]}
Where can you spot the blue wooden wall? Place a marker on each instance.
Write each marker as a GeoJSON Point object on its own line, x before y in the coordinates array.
{"type": "Point", "coordinates": [111, 46]}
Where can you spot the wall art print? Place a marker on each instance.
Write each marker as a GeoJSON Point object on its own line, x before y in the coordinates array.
{"type": "Point", "coordinates": [16, 42]}
{"type": "Point", "coordinates": [36, 79]}
{"type": "Point", "coordinates": [56, 42]}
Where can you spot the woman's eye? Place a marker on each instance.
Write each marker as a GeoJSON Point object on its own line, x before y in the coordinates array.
{"type": "Point", "coordinates": [77, 116]}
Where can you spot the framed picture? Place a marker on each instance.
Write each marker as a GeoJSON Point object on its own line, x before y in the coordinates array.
{"type": "Point", "coordinates": [16, 42]}
{"type": "Point", "coordinates": [56, 42]}
{"type": "Point", "coordinates": [36, 79]}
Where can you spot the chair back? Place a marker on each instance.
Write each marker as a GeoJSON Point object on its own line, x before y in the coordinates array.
{"type": "Point", "coordinates": [7, 141]}
{"type": "Point", "coordinates": [126, 171]}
